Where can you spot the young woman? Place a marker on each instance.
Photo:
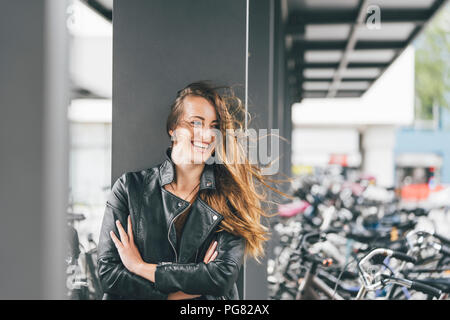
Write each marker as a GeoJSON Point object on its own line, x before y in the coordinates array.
{"type": "Point", "coordinates": [180, 230]}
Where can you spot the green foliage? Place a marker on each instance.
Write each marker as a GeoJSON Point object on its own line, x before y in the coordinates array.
{"type": "Point", "coordinates": [432, 65]}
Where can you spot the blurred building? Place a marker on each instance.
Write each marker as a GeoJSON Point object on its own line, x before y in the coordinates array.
{"type": "Point", "coordinates": [380, 133]}
{"type": "Point", "coordinates": [359, 133]}
{"type": "Point", "coordinates": [90, 115]}
{"type": "Point", "coordinates": [422, 155]}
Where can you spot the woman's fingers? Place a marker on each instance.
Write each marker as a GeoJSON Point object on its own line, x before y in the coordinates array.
{"type": "Point", "coordinates": [122, 233]}
{"type": "Point", "coordinates": [213, 257]}
{"type": "Point", "coordinates": [213, 246]}
{"type": "Point", "coordinates": [210, 252]}
{"type": "Point", "coordinates": [130, 230]}
{"type": "Point", "coordinates": [115, 240]}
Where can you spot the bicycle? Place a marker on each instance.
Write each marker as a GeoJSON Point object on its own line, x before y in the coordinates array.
{"type": "Point", "coordinates": [82, 281]}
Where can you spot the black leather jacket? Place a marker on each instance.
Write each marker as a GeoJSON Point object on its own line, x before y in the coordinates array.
{"type": "Point", "coordinates": [153, 209]}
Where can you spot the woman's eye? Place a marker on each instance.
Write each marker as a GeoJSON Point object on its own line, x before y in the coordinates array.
{"type": "Point", "coordinates": [196, 123]}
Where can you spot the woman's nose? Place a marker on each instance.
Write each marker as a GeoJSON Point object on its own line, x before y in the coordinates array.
{"type": "Point", "coordinates": [205, 134]}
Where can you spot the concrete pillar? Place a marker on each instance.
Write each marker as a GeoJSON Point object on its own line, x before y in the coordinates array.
{"type": "Point", "coordinates": [378, 153]}
{"type": "Point", "coordinates": [33, 148]}
{"type": "Point", "coordinates": [261, 106]}
{"type": "Point", "coordinates": [159, 47]}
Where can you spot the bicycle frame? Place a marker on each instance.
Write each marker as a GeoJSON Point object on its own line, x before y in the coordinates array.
{"type": "Point", "coordinates": [311, 285]}
{"type": "Point", "coordinates": [378, 280]}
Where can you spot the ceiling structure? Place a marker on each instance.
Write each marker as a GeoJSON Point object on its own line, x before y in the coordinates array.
{"type": "Point", "coordinates": [103, 7]}
{"type": "Point", "coordinates": [339, 48]}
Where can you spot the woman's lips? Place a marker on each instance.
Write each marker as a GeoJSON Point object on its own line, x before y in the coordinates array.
{"type": "Point", "coordinates": [201, 147]}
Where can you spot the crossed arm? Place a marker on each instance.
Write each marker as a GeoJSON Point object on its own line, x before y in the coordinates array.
{"type": "Point", "coordinates": [132, 260]}
{"type": "Point", "coordinates": [123, 272]}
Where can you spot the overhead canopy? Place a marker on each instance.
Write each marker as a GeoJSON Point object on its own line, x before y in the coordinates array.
{"type": "Point", "coordinates": [339, 48]}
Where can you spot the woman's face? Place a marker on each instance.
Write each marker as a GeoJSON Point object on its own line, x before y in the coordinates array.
{"type": "Point", "coordinates": [194, 138]}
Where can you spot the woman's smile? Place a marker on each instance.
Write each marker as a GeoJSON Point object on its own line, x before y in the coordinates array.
{"type": "Point", "coordinates": [201, 147]}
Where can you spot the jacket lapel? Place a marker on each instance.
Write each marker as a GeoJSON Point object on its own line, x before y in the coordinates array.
{"type": "Point", "coordinates": [202, 218]}
{"type": "Point", "coordinates": [201, 222]}
{"type": "Point", "coordinates": [172, 206]}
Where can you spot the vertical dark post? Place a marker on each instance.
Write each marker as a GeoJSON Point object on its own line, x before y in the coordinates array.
{"type": "Point", "coordinates": [281, 116]}
{"type": "Point", "coordinates": [160, 46]}
{"type": "Point", "coordinates": [261, 106]}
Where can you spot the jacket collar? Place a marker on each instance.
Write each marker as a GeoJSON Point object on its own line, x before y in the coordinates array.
{"type": "Point", "coordinates": [167, 172]}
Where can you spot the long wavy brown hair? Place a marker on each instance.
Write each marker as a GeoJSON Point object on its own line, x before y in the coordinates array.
{"type": "Point", "coordinates": [241, 188]}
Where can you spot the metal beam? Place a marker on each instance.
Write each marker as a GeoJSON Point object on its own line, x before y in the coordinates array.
{"type": "Point", "coordinates": [303, 45]}
{"type": "Point", "coordinates": [342, 80]}
{"type": "Point", "coordinates": [437, 5]}
{"type": "Point", "coordinates": [339, 94]}
{"type": "Point", "coordinates": [352, 65]}
{"type": "Point", "coordinates": [299, 19]}
{"type": "Point", "coordinates": [351, 44]}
{"type": "Point", "coordinates": [100, 9]}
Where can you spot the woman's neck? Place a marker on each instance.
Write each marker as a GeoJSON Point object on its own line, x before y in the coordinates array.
{"type": "Point", "coordinates": [187, 176]}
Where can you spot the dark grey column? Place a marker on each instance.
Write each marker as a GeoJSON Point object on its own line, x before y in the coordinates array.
{"type": "Point", "coordinates": [286, 128]}
{"type": "Point", "coordinates": [33, 148]}
{"type": "Point", "coordinates": [279, 113]}
{"type": "Point", "coordinates": [260, 86]}
{"type": "Point", "coordinates": [159, 47]}
{"type": "Point", "coordinates": [282, 100]}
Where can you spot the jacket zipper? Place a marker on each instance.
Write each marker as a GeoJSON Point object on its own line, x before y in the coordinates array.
{"type": "Point", "coordinates": [170, 228]}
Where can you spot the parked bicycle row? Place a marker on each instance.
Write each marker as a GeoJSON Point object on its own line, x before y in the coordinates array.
{"type": "Point", "coordinates": [82, 281]}
{"type": "Point", "coordinates": [345, 239]}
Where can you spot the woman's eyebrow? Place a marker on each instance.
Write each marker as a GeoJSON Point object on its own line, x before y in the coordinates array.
{"type": "Point", "coordinates": [203, 118]}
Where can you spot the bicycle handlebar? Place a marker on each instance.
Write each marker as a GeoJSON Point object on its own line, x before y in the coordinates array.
{"type": "Point", "coordinates": [415, 285]}
{"type": "Point", "coordinates": [441, 248]}
{"type": "Point", "coordinates": [404, 257]}
{"type": "Point", "coordinates": [445, 250]}
{"type": "Point", "coordinates": [418, 212]}
{"type": "Point", "coordinates": [388, 253]}
{"type": "Point", "coordinates": [443, 239]}
{"type": "Point", "coordinates": [376, 252]}
{"type": "Point", "coordinates": [422, 287]}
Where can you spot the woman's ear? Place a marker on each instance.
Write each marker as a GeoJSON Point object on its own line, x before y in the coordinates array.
{"type": "Point", "coordinates": [173, 136]}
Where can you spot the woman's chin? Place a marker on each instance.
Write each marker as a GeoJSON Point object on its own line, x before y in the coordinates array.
{"type": "Point", "coordinates": [200, 158]}
{"type": "Point", "coordinates": [199, 155]}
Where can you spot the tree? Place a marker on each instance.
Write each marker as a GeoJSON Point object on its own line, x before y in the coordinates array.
{"type": "Point", "coordinates": [432, 65]}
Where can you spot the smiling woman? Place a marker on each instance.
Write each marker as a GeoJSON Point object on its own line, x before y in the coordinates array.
{"type": "Point", "coordinates": [193, 130]}
{"type": "Point", "coordinates": [180, 230]}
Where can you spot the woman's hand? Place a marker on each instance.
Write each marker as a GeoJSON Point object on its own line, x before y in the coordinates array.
{"type": "Point", "coordinates": [129, 253]}
{"type": "Point", "coordinates": [211, 253]}
{"type": "Point", "coordinates": [132, 260]}
{"type": "Point", "coordinates": [210, 256]}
